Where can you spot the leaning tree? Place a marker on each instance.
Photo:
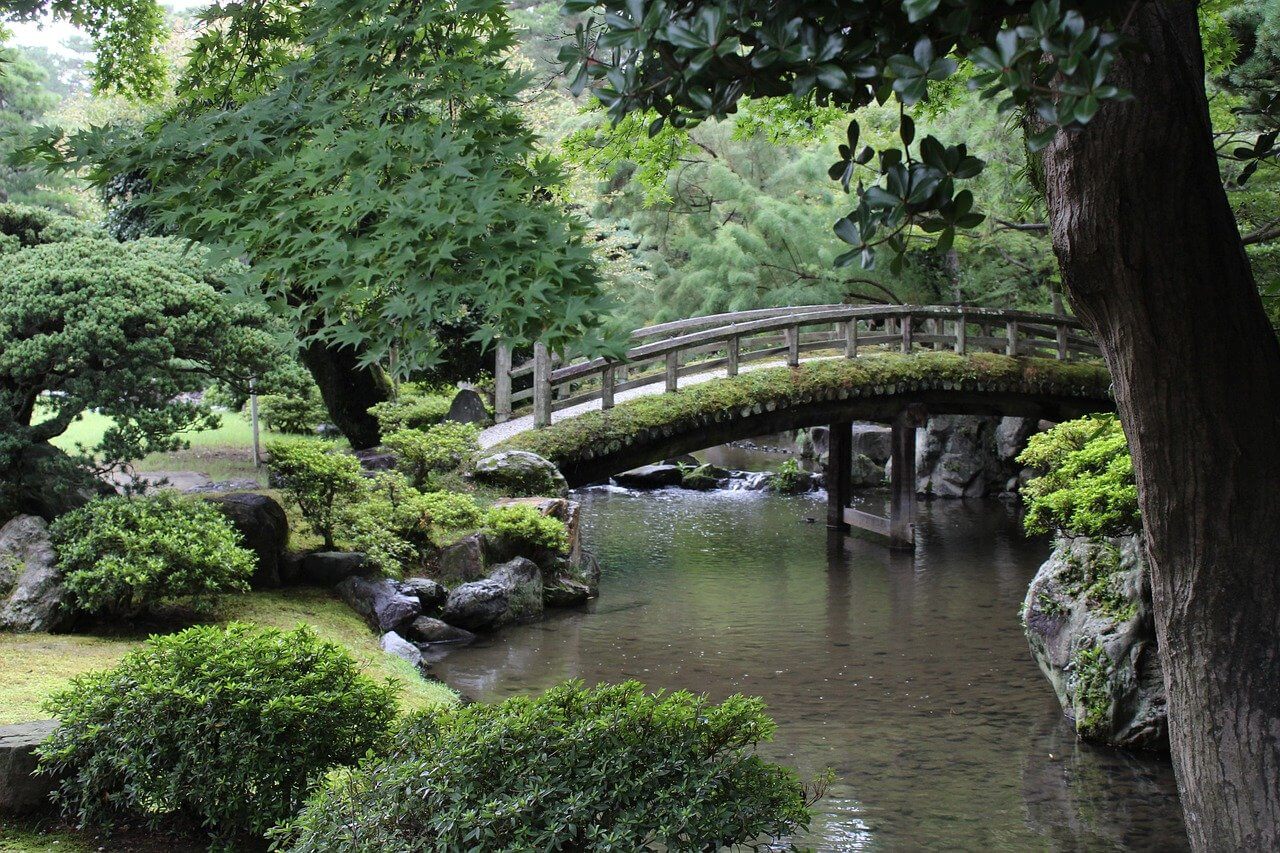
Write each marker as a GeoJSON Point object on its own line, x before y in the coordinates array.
{"type": "Point", "coordinates": [368, 160]}
{"type": "Point", "coordinates": [1112, 96]}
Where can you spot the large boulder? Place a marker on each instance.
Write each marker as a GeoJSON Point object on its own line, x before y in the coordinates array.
{"type": "Point", "coordinates": [650, 477]}
{"type": "Point", "coordinates": [523, 580]}
{"type": "Point", "coordinates": [477, 606]}
{"type": "Point", "coordinates": [427, 630]}
{"type": "Point", "coordinates": [264, 529]}
{"type": "Point", "coordinates": [520, 473]}
{"type": "Point", "coordinates": [383, 603]}
{"type": "Point", "coordinates": [21, 791]}
{"type": "Point", "coordinates": [464, 560]}
{"type": "Point", "coordinates": [431, 594]}
{"type": "Point", "coordinates": [704, 478]}
{"type": "Point", "coordinates": [1088, 619]}
{"type": "Point", "coordinates": [468, 408]}
{"type": "Point", "coordinates": [394, 644]}
{"type": "Point", "coordinates": [376, 459]}
{"type": "Point", "coordinates": [864, 473]}
{"type": "Point", "coordinates": [326, 568]}
{"type": "Point", "coordinates": [875, 441]}
{"type": "Point", "coordinates": [566, 592]}
{"type": "Point", "coordinates": [32, 597]}
{"type": "Point", "coordinates": [1011, 437]}
{"type": "Point", "coordinates": [956, 458]}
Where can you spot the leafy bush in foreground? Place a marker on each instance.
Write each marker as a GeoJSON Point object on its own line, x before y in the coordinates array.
{"type": "Point", "coordinates": [319, 478]}
{"type": "Point", "coordinates": [526, 529]}
{"type": "Point", "coordinates": [435, 450]}
{"type": "Point", "coordinates": [608, 768]}
{"type": "Point", "coordinates": [1087, 486]}
{"type": "Point", "coordinates": [228, 727]}
{"type": "Point", "coordinates": [122, 555]}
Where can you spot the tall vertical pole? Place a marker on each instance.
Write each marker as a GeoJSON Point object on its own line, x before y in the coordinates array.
{"type": "Point", "coordinates": [253, 419]}
{"type": "Point", "coordinates": [502, 382]}
{"type": "Point", "coordinates": [839, 480]}
{"type": "Point", "coordinates": [902, 482]}
{"type": "Point", "coordinates": [541, 385]}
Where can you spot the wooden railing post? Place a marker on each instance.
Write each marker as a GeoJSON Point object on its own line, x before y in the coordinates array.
{"type": "Point", "coordinates": [962, 336]}
{"type": "Point", "coordinates": [1062, 342]}
{"type": "Point", "coordinates": [732, 368]}
{"type": "Point", "coordinates": [851, 339]}
{"type": "Point", "coordinates": [673, 370]}
{"type": "Point", "coordinates": [792, 337]}
{"type": "Point", "coordinates": [606, 388]}
{"type": "Point", "coordinates": [541, 385]}
{"type": "Point", "coordinates": [502, 382]}
{"type": "Point", "coordinates": [1011, 330]}
{"type": "Point", "coordinates": [906, 333]}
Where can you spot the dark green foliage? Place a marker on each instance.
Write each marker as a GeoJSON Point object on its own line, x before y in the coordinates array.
{"type": "Point", "coordinates": [1097, 578]}
{"type": "Point", "coordinates": [435, 450]}
{"type": "Point", "coordinates": [25, 100]}
{"type": "Point", "coordinates": [396, 526]}
{"type": "Point", "coordinates": [123, 329]}
{"type": "Point", "coordinates": [413, 408]}
{"type": "Point", "coordinates": [790, 478]}
{"type": "Point", "coordinates": [566, 440]}
{"type": "Point", "coordinates": [1091, 676]}
{"type": "Point", "coordinates": [298, 414]}
{"type": "Point", "coordinates": [226, 727]}
{"type": "Point", "coordinates": [121, 556]}
{"type": "Point", "coordinates": [609, 768]}
{"type": "Point", "coordinates": [373, 167]}
{"type": "Point", "coordinates": [526, 529]}
{"type": "Point", "coordinates": [23, 226]}
{"type": "Point", "coordinates": [1087, 486]}
{"type": "Point", "coordinates": [319, 477]}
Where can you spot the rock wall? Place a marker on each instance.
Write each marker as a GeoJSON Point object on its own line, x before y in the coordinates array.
{"type": "Point", "coordinates": [1089, 622]}
{"type": "Point", "coordinates": [965, 456]}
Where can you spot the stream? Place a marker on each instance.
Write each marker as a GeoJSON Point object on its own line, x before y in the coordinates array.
{"type": "Point", "coordinates": [906, 675]}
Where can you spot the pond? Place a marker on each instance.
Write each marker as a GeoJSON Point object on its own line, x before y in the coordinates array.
{"type": "Point", "coordinates": [906, 675]}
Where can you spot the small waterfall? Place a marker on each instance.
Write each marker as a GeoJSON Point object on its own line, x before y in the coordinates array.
{"type": "Point", "coordinates": [749, 481]}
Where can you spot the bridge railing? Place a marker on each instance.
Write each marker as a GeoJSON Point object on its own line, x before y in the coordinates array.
{"type": "Point", "coordinates": [667, 352]}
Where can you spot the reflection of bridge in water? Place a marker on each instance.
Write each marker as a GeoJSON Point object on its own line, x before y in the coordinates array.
{"type": "Point", "coordinates": [695, 383]}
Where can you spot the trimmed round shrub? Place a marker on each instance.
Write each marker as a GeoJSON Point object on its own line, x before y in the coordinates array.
{"type": "Point", "coordinates": [229, 728]}
{"type": "Point", "coordinates": [608, 768]}
{"type": "Point", "coordinates": [120, 556]}
{"type": "Point", "coordinates": [435, 450]}
{"type": "Point", "coordinates": [23, 226]}
{"type": "Point", "coordinates": [411, 411]}
{"type": "Point", "coordinates": [296, 415]}
{"type": "Point", "coordinates": [526, 529]}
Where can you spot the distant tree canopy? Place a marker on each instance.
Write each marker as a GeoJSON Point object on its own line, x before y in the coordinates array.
{"type": "Point", "coordinates": [25, 102]}
{"type": "Point", "coordinates": [121, 329]}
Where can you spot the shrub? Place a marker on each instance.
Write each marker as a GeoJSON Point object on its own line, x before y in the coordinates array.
{"type": "Point", "coordinates": [122, 555]}
{"type": "Point", "coordinates": [412, 409]}
{"type": "Point", "coordinates": [526, 529]}
{"type": "Point", "coordinates": [435, 450]}
{"type": "Point", "coordinates": [228, 726]}
{"type": "Point", "coordinates": [790, 478]}
{"type": "Point", "coordinates": [396, 525]}
{"type": "Point", "coordinates": [296, 415]}
{"type": "Point", "coordinates": [1087, 486]}
{"type": "Point", "coordinates": [318, 477]}
{"type": "Point", "coordinates": [609, 768]}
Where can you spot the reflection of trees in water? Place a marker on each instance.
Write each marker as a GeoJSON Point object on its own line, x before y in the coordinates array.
{"type": "Point", "coordinates": [1093, 798]}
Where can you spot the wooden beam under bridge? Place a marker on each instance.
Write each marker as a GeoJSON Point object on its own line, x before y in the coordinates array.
{"type": "Point", "coordinates": [899, 527]}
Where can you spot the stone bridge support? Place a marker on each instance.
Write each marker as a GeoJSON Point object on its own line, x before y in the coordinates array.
{"type": "Point", "coordinates": [899, 527]}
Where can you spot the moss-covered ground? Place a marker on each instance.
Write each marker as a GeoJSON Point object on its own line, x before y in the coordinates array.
{"type": "Point", "coordinates": [780, 387]}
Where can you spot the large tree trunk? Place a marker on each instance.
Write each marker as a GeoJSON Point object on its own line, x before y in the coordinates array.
{"type": "Point", "coordinates": [348, 390]}
{"type": "Point", "coordinates": [1153, 261]}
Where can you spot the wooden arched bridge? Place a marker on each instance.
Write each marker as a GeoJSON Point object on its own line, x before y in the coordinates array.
{"type": "Point", "coordinates": [695, 383]}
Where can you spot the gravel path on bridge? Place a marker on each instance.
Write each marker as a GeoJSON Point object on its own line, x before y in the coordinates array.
{"type": "Point", "coordinates": [501, 432]}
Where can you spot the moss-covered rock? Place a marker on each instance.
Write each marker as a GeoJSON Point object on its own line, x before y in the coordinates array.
{"type": "Point", "coordinates": [1089, 621]}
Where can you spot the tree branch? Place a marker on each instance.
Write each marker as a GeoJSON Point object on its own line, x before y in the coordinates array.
{"type": "Point", "coordinates": [1033, 227]}
{"type": "Point", "coordinates": [1262, 235]}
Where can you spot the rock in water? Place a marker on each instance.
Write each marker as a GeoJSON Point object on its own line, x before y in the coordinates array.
{"type": "Point", "coordinates": [465, 560]}
{"type": "Point", "coordinates": [875, 441]}
{"type": "Point", "coordinates": [1089, 621]}
{"type": "Point", "coordinates": [523, 580]}
{"type": "Point", "coordinates": [426, 629]}
{"type": "Point", "coordinates": [521, 474]}
{"type": "Point", "coordinates": [468, 408]}
{"type": "Point", "coordinates": [263, 528]}
{"type": "Point", "coordinates": [431, 594]}
{"type": "Point", "coordinates": [650, 477]}
{"type": "Point", "coordinates": [21, 791]}
{"type": "Point", "coordinates": [32, 597]}
{"type": "Point", "coordinates": [865, 473]}
{"type": "Point", "coordinates": [477, 606]}
{"type": "Point", "coordinates": [381, 601]}
{"type": "Point", "coordinates": [704, 478]}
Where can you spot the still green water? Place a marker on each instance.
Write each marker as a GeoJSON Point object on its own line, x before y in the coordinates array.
{"type": "Point", "coordinates": [908, 676]}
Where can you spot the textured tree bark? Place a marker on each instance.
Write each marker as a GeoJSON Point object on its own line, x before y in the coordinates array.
{"type": "Point", "coordinates": [348, 391]}
{"type": "Point", "coordinates": [1152, 259]}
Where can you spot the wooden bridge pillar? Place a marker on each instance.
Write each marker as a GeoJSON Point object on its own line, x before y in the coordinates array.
{"type": "Point", "coordinates": [902, 480]}
{"type": "Point", "coordinates": [839, 479]}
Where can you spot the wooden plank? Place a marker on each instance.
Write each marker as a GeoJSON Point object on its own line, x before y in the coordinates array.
{"type": "Point", "coordinates": [906, 334]}
{"type": "Point", "coordinates": [962, 336]}
{"type": "Point", "coordinates": [851, 339]}
{"type": "Point", "coordinates": [1062, 343]}
{"type": "Point", "coordinates": [902, 483]}
{"type": "Point", "coordinates": [866, 521]}
{"type": "Point", "coordinates": [673, 370]}
{"type": "Point", "coordinates": [792, 337]}
{"type": "Point", "coordinates": [1011, 333]}
{"type": "Point", "coordinates": [732, 368]}
{"type": "Point", "coordinates": [606, 388]}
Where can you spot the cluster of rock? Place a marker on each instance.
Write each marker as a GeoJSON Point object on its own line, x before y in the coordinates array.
{"type": "Point", "coordinates": [1088, 619]}
{"type": "Point", "coordinates": [481, 585]}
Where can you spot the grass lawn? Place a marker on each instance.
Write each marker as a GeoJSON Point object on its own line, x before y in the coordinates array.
{"type": "Point", "coordinates": [34, 665]}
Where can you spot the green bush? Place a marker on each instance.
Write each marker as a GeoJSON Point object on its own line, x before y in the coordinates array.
{"type": "Point", "coordinates": [319, 478]}
{"type": "Point", "coordinates": [414, 408]}
{"type": "Point", "coordinates": [120, 556]}
{"type": "Point", "coordinates": [296, 415]}
{"type": "Point", "coordinates": [526, 529]}
{"type": "Point", "coordinates": [790, 478]}
{"type": "Point", "coordinates": [435, 450]}
{"type": "Point", "coordinates": [229, 727]}
{"type": "Point", "coordinates": [609, 768]}
{"type": "Point", "coordinates": [1087, 485]}
{"type": "Point", "coordinates": [395, 525]}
